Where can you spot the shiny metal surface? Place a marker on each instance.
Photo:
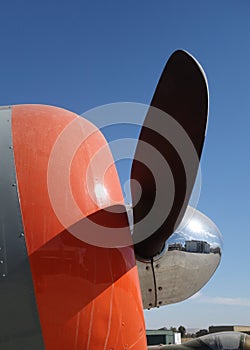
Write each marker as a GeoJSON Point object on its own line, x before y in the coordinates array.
{"type": "Point", "coordinates": [191, 256]}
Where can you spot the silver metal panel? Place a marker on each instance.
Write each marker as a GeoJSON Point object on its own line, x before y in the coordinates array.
{"type": "Point", "coordinates": [19, 321]}
{"type": "Point", "coordinates": [147, 282]}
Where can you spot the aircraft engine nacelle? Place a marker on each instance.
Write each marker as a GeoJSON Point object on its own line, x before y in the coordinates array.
{"type": "Point", "coordinates": [189, 259]}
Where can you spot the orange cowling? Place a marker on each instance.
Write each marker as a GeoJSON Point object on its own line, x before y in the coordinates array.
{"type": "Point", "coordinates": [86, 288]}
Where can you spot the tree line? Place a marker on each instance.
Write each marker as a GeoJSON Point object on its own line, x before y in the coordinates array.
{"type": "Point", "coordinates": [184, 334]}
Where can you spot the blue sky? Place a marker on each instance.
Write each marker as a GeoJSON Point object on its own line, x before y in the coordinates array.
{"type": "Point", "coordinates": [80, 55]}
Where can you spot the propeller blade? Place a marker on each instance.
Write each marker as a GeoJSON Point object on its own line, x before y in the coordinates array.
{"type": "Point", "coordinates": [168, 152]}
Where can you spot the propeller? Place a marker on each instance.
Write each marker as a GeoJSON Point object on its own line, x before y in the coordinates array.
{"type": "Point", "coordinates": [168, 152]}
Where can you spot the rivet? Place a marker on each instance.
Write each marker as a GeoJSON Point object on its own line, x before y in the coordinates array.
{"type": "Point", "coordinates": [1, 261]}
{"type": "Point", "coordinates": [160, 302]}
{"type": "Point", "coordinates": [3, 274]}
{"type": "Point", "coordinates": [10, 147]}
{"type": "Point", "coordinates": [21, 235]}
{"type": "Point", "coordinates": [147, 267]}
{"type": "Point", "coordinates": [157, 266]}
{"type": "Point", "coordinates": [160, 288]}
{"type": "Point", "coordinates": [13, 185]}
{"type": "Point", "coordinates": [150, 290]}
{"type": "Point", "coordinates": [150, 304]}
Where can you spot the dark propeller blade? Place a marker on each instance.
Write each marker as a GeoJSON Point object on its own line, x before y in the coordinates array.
{"type": "Point", "coordinates": [168, 152]}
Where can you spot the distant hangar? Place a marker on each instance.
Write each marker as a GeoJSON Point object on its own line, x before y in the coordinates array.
{"type": "Point", "coordinates": [242, 329]}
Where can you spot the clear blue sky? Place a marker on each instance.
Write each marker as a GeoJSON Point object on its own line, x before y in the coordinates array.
{"type": "Point", "coordinates": [82, 54]}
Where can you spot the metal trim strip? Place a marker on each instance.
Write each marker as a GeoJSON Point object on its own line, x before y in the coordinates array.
{"type": "Point", "coordinates": [19, 321]}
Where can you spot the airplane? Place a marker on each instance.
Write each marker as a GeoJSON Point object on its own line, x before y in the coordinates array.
{"type": "Point", "coordinates": [68, 261]}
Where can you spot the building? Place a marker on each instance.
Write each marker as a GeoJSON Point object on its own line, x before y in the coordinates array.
{"type": "Point", "coordinates": [160, 336]}
{"type": "Point", "coordinates": [175, 246]}
{"type": "Point", "coordinates": [242, 329]}
{"type": "Point", "coordinates": [194, 246]}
